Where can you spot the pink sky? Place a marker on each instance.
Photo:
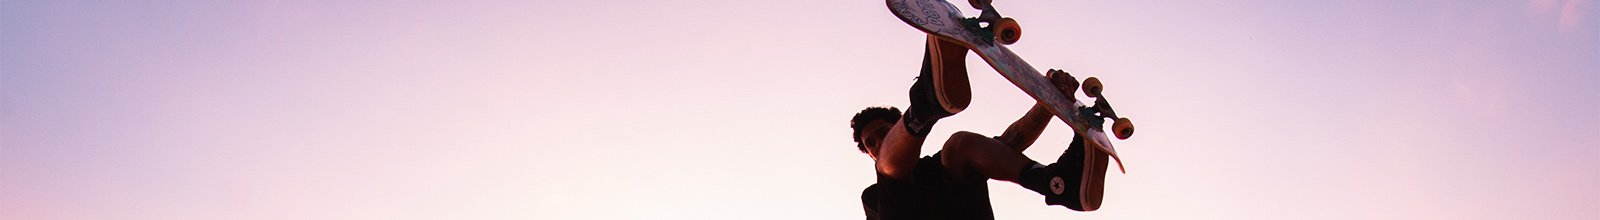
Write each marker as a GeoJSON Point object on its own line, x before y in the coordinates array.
{"type": "Point", "coordinates": [738, 109]}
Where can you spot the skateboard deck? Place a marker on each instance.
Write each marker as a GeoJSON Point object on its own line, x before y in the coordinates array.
{"type": "Point", "coordinates": [943, 20]}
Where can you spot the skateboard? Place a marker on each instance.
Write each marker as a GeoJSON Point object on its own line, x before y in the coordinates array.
{"type": "Point", "coordinates": [986, 36]}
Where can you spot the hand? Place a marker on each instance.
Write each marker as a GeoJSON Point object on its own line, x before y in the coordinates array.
{"type": "Point", "coordinates": [1063, 81]}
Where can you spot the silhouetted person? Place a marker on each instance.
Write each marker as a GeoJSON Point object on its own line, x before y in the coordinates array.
{"type": "Point", "coordinates": [952, 183]}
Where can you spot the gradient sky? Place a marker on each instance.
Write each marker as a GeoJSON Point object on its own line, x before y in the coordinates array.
{"type": "Point", "coordinates": [738, 109]}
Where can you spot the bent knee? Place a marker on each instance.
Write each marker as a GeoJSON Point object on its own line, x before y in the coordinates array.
{"type": "Point", "coordinates": [967, 136]}
{"type": "Point", "coordinates": [962, 141]}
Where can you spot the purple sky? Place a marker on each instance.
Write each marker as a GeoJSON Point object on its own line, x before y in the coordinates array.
{"type": "Point", "coordinates": [738, 109]}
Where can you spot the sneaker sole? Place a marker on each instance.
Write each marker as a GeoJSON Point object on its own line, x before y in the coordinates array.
{"type": "Point", "coordinates": [950, 81]}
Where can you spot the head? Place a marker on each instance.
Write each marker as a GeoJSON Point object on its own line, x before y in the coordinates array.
{"type": "Point", "coordinates": [870, 126]}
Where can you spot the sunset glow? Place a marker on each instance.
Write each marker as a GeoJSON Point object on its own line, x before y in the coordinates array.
{"type": "Point", "coordinates": [739, 109]}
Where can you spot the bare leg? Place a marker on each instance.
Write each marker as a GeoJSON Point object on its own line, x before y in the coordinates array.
{"type": "Point", "coordinates": [968, 153]}
{"type": "Point", "coordinates": [897, 156]}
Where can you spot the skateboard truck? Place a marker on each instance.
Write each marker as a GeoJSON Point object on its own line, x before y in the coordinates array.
{"type": "Point", "coordinates": [1121, 127]}
{"type": "Point", "coordinates": [1002, 29]}
{"type": "Point", "coordinates": [979, 4]}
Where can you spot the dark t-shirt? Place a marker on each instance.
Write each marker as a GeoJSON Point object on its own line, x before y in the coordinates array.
{"type": "Point", "coordinates": [929, 194]}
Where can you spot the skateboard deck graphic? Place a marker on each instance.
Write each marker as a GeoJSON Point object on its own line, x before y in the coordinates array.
{"type": "Point", "coordinates": [943, 20]}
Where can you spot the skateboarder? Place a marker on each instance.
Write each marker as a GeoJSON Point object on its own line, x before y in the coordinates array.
{"type": "Point", "coordinates": [952, 183]}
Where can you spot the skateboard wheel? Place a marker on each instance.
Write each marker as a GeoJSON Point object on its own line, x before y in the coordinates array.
{"type": "Point", "coordinates": [1123, 128]}
{"type": "Point", "coordinates": [1007, 31]}
{"type": "Point", "coordinates": [979, 4]}
{"type": "Point", "coordinates": [1092, 87]}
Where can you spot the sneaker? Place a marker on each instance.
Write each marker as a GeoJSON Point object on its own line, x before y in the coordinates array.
{"type": "Point", "coordinates": [1078, 178]}
{"type": "Point", "coordinates": [941, 88]}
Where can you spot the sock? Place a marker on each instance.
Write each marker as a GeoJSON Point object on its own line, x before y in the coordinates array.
{"type": "Point", "coordinates": [1035, 177]}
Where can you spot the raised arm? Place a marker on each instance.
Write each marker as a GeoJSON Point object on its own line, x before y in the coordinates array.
{"type": "Point", "coordinates": [1026, 130]}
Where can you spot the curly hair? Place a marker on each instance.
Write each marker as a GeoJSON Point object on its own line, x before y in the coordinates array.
{"type": "Point", "coordinates": [887, 114]}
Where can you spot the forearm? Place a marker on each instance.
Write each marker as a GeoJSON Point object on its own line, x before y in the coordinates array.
{"type": "Point", "coordinates": [1026, 130]}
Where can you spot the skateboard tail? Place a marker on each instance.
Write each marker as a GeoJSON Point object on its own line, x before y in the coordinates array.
{"type": "Point", "coordinates": [1119, 164]}
{"type": "Point", "coordinates": [1114, 158]}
